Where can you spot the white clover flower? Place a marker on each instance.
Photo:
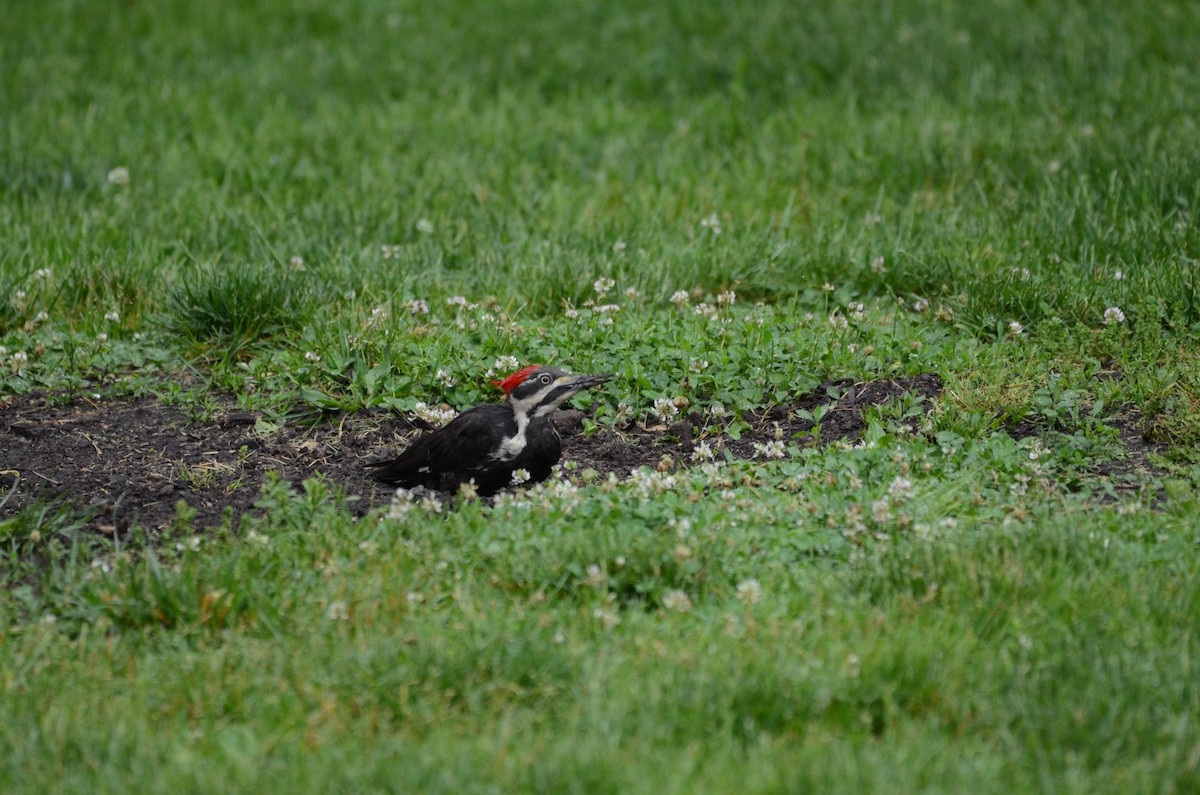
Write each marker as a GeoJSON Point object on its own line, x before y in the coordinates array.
{"type": "Point", "coordinates": [458, 300]}
{"type": "Point", "coordinates": [702, 452]}
{"type": "Point", "coordinates": [445, 377]}
{"type": "Point", "coordinates": [425, 226]}
{"type": "Point", "coordinates": [726, 298]}
{"type": "Point", "coordinates": [717, 411]}
{"type": "Point", "coordinates": [749, 591]}
{"type": "Point", "coordinates": [712, 223]}
{"type": "Point", "coordinates": [827, 287]}
{"type": "Point", "coordinates": [838, 322]}
{"type": "Point", "coordinates": [192, 544]}
{"type": "Point", "coordinates": [101, 337]}
{"type": "Point", "coordinates": [257, 538]}
{"type": "Point", "coordinates": [646, 482]}
{"type": "Point", "coordinates": [338, 610]}
{"type": "Point", "coordinates": [878, 264]}
{"type": "Point", "coordinates": [604, 309]}
{"type": "Point", "coordinates": [571, 313]}
{"type": "Point", "coordinates": [920, 305]}
{"type": "Point", "coordinates": [607, 617]}
{"type": "Point", "coordinates": [881, 511]}
{"type": "Point", "coordinates": [1118, 276]}
{"type": "Point", "coordinates": [618, 248]}
{"type": "Point", "coordinates": [680, 297]}
{"type": "Point", "coordinates": [378, 314]}
{"type": "Point", "coordinates": [565, 493]}
{"type": "Point", "coordinates": [417, 306]}
{"type": "Point", "coordinates": [665, 409]}
{"type": "Point", "coordinates": [520, 476]}
{"type": "Point", "coordinates": [698, 365]}
{"type": "Point", "coordinates": [677, 601]}
{"type": "Point", "coordinates": [402, 504]}
{"type": "Point", "coordinates": [603, 285]}
{"type": "Point", "coordinates": [857, 310]}
{"type": "Point", "coordinates": [900, 489]}
{"type": "Point", "coordinates": [595, 576]}
{"type": "Point", "coordinates": [510, 500]}
{"type": "Point", "coordinates": [312, 357]}
{"type": "Point", "coordinates": [507, 364]}
{"type": "Point", "coordinates": [1129, 508]}
{"type": "Point", "coordinates": [705, 310]}
{"type": "Point", "coordinates": [772, 449]}
{"type": "Point", "coordinates": [1020, 486]}
{"type": "Point", "coordinates": [1015, 328]}
{"type": "Point", "coordinates": [42, 275]}
{"type": "Point", "coordinates": [1113, 315]}
{"type": "Point", "coordinates": [113, 317]}
{"type": "Point", "coordinates": [119, 176]}
{"type": "Point", "coordinates": [436, 417]}
{"type": "Point", "coordinates": [631, 293]}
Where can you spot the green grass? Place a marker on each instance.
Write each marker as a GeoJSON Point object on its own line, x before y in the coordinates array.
{"type": "Point", "coordinates": [284, 200]}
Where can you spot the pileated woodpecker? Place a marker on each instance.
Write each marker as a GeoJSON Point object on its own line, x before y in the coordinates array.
{"type": "Point", "coordinates": [487, 443]}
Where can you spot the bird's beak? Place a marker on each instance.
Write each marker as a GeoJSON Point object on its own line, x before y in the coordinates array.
{"type": "Point", "coordinates": [581, 382]}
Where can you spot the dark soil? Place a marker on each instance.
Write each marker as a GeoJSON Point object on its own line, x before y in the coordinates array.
{"type": "Point", "coordinates": [622, 452]}
{"type": "Point", "coordinates": [132, 461]}
{"type": "Point", "coordinates": [1125, 474]}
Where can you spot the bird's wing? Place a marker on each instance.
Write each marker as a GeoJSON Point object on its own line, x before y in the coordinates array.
{"type": "Point", "coordinates": [462, 445]}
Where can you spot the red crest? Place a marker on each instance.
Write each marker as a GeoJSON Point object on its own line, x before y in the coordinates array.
{"type": "Point", "coordinates": [517, 378]}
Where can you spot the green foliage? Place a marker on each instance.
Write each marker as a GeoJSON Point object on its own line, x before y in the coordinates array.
{"type": "Point", "coordinates": [392, 197]}
{"type": "Point", "coordinates": [227, 309]}
{"type": "Point", "coordinates": [38, 541]}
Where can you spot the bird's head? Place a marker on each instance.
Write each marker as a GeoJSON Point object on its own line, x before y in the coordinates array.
{"type": "Point", "coordinates": [537, 390]}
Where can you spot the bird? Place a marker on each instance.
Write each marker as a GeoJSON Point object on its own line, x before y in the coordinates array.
{"type": "Point", "coordinates": [486, 444]}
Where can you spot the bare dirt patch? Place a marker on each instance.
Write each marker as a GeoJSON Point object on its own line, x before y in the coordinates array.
{"type": "Point", "coordinates": [1125, 474]}
{"type": "Point", "coordinates": [131, 461]}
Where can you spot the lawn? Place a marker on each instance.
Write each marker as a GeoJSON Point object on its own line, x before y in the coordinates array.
{"type": "Point", "coordinates": [895, 488]}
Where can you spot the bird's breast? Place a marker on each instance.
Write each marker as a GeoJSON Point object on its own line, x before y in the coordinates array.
{"type": "Point", "coordinates": [512, 446]}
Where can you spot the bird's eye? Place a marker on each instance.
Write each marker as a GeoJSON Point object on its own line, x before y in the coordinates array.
{"type": "Point", "coordinates": [545, 379]}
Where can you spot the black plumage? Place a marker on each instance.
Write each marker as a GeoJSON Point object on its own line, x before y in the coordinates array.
{"type": "Point", "coordinates": [460, 451]}
{"type": "Point", "coordinates": [488, 443]}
